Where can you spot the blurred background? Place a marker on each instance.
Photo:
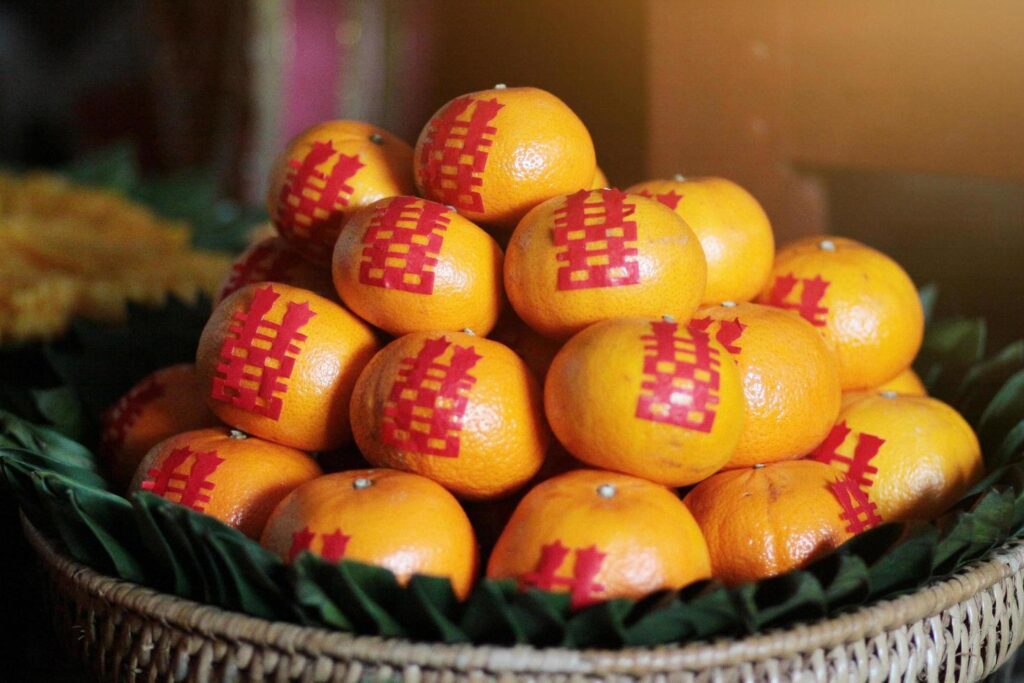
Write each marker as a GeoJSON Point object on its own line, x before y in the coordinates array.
{"type": "Point", "coordinates": [896, 123]}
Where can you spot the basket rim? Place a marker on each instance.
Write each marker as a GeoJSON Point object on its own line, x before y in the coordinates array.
{"type": "Point", "coordinates": [211, 622]}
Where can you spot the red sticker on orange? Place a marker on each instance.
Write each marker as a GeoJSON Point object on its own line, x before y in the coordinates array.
{"type": "Point", "coordinates": [424, 410]}
{"type": "Point", "coordinates": [596, 241]}
{"type": "Point", "coordinates": [582, 585]}
{"type": "Point", "coordinates": [403, 241]}
{"type": "Point", "coordinates": [809, 306]}
{"type": "Point", "coordinates": [681, 378]}
{"type": "Point", "coordinates": [189, 486]}
{"type": "Point", "coordinates": [121, 416]}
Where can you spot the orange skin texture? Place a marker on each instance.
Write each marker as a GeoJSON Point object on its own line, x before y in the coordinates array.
{"type": "Point", "coordinates": [467, 287]}
{"type": "Point", "coordinates": [672, 272]}
{"type": "Point", "coordinates": [386, 172]}
{"type": "Point", "coordinates": [764, 521]}
{"type": "Point", "coordinates": [591, 399]}
{"type": "Point", "coordinates": [314, 408]}
{"type": "Point", "coordinates": [907, 383]}
{"type": "Point", "coordinates": [875, 322]}
{"type": "Point", "coordinates": [930, 457]}
{"type": "Point", "coordinates": [253, 478]}
{"type": "Point", "coordinates": [271, 256]}
{"type": "Point", "coordinates": [502, 439]}
{"type": "Point", "coordinates": [401, 521]}
{"type": "Point", "coordinates": [540, 149]}
{"type": "Point", "coordinates": [733, 230]}
{"type": "Point", "coordinates": [790, 382]}
{"type": "Point", "coordinates": [650, 539]}
{"type": "Point", "coordinates": [600, 180]}
{"type": "Point", "coordinates": [537, 350]}
{"type": "Point", "coordinates": [178, 407]}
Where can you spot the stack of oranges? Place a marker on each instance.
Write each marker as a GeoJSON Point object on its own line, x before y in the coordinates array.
{"type": "Point", "coordinates": [628, 388]}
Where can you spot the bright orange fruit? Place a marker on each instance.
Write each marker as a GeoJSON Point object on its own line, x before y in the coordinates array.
{"type": "Point", "coordinates": [764, 520]}
{"type": "Point", "coordinates": [226, 474]}
{"type": "Point", "coordinates": [400, 521]}
{"type": "Point", "coordinates": [407, 264]}
{"type": "Point", "coordinates": [647, 397]}
{"type": "Point", "coordinates": [913, 456]}
{"type": "Point", "coordinates": [790, 379]}
{"type": "Point", "coordinates": [863, 303]}
{"type": "Point", "coordinates": [270, 260]}
{"type": "Point", "coordinates": [907, 383]}
{"type": "Point", "coordinates": [327, 172]}
{"type": "Point", "coordinates": [733, 230]}
{"type": "Point", "coordinates": [162, 404]}
{"type": "Point", "coordinates": [279, 362]}
{"type": "Point", "coordinates": [600, 254]}
{"type": "Point", "coordinates": [600, 535]}
{"type": "Point", "coordinates": [495, 154]}
{"type": "Point", "coordinates": [460, 409]}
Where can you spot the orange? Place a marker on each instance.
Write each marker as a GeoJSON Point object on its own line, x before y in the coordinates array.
{"type": "Point", "coordinates": [907, 383]}
{"type": "Point", "coordinates": [599, 254]}
{"type": "Point", "coordinates": [162, 404]}
{"type": "Point", "coordinates": [647, 397]}
{"type": "Point", "coordinates": [495, 154]}
{"type": "Point", "coordinates": [270, 260]}
{"type": "Point", "coordinates": [790, 379]}
{"type": "Point", "coordinates": [408, 265]}
{"type": "Point", "coordinates": [460, 409]}
{"type": "Point", "coordinates": [732, 228]}
{"type": "Point", "coordinates": [537, 350]}
{"type": "Point", "coordinates": [600, 535]}
{"type": "Point", "coordinates": [279, 362]}
{"type": "Point", "coordinates": [226, 474]}
{"type": "Point", "coordinates": [403, 522]}
{"type": "Point", "coordinates": [914, 456]}
{"type": "Point", "coordinates": [327, 172]}
{"type": "Point", "coordinates": [600, 180]}
{"type": "Point", "coordinates": [863, 303]}
{"type": "Point", "coordinates": [765, 520]}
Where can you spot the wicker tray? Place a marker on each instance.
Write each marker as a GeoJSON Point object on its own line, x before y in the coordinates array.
{"type": "Point", "coordinates": [960, 629]}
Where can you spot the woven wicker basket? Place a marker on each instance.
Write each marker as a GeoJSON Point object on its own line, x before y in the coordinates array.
{"type": "Point", "coordinates": [960, 629]}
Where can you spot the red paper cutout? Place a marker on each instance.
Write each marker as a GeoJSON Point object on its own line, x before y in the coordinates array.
{"type": "Point", "coordinates": [403, 242]}
{"type": "Point", "coordinates": [310, 202]}
{"type": "Point", "coordinates": [681, 378]}
{"type": "Point", "coordinates": [859, 513]}
{"type": "Point", "coordinates": [265, 263]}
{"type": "Point", "coordinates": [258, 355]}
{"type": "Point", "coordinates": [812, 292]}
{"type": "Point", "coordinates": [597, 240]}
{"type": "Point", "coordinates": [424, 410]}
{"type": "Point", "coordinates": [728, 334]}
{"type": "Point", "coordinates": [333, 545]}
{"type": "Point", "coordinates": [191, 488]}
{"type": "Point", "coordinates": [670, 199]}
{"type": "Point", "coordinates": [455, 150]}
{"type": "Point", "coordinates": [582, 585]}
{"type": "Point", "coordinates": [857, 468]}
{"type": "Point", "coordinates": [121, 417]}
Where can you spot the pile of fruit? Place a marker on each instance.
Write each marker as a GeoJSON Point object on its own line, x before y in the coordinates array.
{"type": "Point", "coordinates": [505, 364]}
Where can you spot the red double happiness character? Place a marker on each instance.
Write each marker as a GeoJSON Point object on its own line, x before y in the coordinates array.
{"type": "Point", "coordinates": [809, 306]}
{"type": "Point", "coordinates": [258, 355]}
{"type": "Point", "coordinates": [857, 465]}
{"type": "Point", "coordinates": [403, 241]}
{"type": "Point", "coordinates": [681, 378]}
{"type": "Point", "coordinates": [189, 486]}
{"type": "Point", "coordinates": [728, 334]}
{"type": "Point", "coordinates": [121, 417]}
{"type": "Point", "coordinates": [596, 241]}
{"type": "Point", "coordinates": [311, 199]}
{"type": "Point", "coordinates": [455, 150]}
{"type": "Point", "coordinates": [426, 404]}
{"type": "Point", "coordinates": [332, 545]}
{"type": "Point", "coordinates": [859, 513]}
{"type": "Point", "coordinates": [670, 199]}
{"type": "Point", "coordinates": [583, 587]}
